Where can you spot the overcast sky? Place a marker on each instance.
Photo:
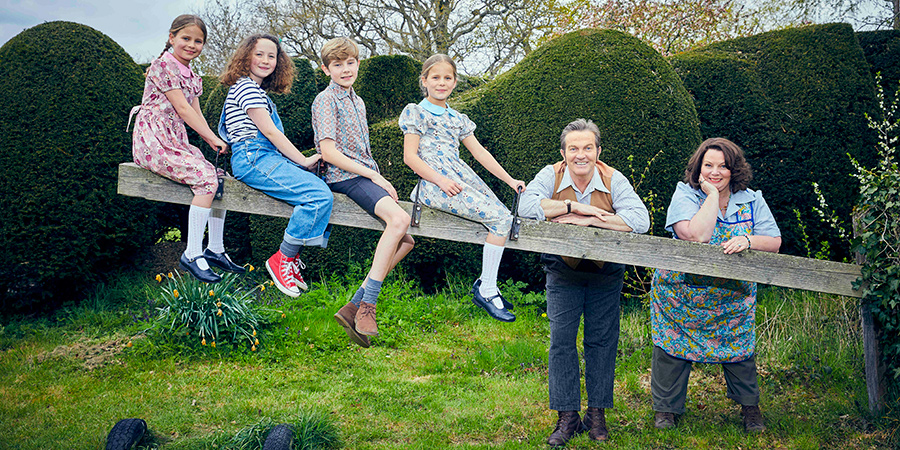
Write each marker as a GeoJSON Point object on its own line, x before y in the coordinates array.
{"type": "Point", "coordinates": [139, 26]}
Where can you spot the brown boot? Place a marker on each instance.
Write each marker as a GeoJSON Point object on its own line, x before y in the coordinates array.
{"type": "Point", "coordinates": [664, 420]}
{"type": "Point", "coordinates": [567, 426]}
{"type": "Point", "coordinates": [365, 320]}
{"type": "Point", "coordinates": [346, 316]}
{"type": "Point", "coordinates": [753, 419]}
{"type": "Point", "coordinates": [595, 423]}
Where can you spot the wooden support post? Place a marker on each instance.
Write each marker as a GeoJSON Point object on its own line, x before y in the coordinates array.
{"type": "Point", "coordinates": [871, 352]}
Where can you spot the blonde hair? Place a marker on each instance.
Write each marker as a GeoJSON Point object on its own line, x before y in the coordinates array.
{"type": "Point", "coordinates": [429, 63]}
{"type": "Point", "coordinates": [181, 22]}
{"type": "Point", "coordinates": [338, 49]}
{"type": "Point", "coordinates": [279, 81]}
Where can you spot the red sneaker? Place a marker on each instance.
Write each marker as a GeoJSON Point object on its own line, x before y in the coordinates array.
{"type": "Point", "coordinates": [297, 265]}
{"type": "Point", "coordinates": [281, 270]}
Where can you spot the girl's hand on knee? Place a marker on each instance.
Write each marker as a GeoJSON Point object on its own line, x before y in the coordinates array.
{"type": "Point", "coordinates": [383, 183]}
{"type": "Point", "coordinates": [449, 186]}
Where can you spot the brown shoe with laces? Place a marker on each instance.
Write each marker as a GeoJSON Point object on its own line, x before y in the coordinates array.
{"type": "Point", "coordinates": [365, 320]}
{"type": "Point", "coordinates": [664, 420]}
{"type": "Point", "coordinates": [567, 426]}
{"type": "Point", "coordinates": [346, 316]}
{"type": "Point", "coordinates": [595, 424]}
{"type": "Point", "coordinates": [753, 419]}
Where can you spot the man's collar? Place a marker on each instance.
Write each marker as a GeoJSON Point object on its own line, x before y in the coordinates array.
{"type": "Point", "coordinates": [596, 183]}
{"type": "Point", "coordinates": [435, 109]}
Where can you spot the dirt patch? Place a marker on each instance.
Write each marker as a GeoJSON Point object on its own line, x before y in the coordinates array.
{"type": "Point", "coordinates": [92, 356]}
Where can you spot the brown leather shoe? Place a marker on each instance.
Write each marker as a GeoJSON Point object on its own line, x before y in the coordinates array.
{"type": "Point", "coordinates": [753, 419]}
{"type": "Point", "coordinates": [663, 420]}
{"type": "Point", "coordinates": [567, 426]}
{"type": "Point", "coordinates": [365, 320]}
{"type": "Point", "coordinates": [595, 424]}
{"type": "Point", "coordinates": [346, 316]}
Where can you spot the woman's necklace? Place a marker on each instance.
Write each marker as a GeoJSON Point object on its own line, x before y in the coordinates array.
{"type": "Point", "coordinates": [724, 209]}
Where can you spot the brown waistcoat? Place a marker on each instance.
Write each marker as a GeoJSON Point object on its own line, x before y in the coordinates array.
{"type": "Point", "coordinates": [599, 199]}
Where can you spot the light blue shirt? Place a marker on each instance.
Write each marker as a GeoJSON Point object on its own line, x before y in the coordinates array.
{"type": "Point", "coordinates": [686, 201]}
{"type": "Point", "coordinates": [626, 202]}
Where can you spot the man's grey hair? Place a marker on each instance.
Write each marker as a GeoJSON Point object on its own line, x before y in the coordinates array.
{"type": "Point", "coordinates": [579, 125]}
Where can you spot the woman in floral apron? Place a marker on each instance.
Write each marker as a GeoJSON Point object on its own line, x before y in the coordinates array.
{"type": "Point", "coordinates": [705, 319]}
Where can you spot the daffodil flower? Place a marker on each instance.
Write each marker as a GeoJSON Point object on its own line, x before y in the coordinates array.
{"type": "Point", "coordinates": [203, 342]}
{"type": "Point", "coordinates": [219, 312]}
{"type": "Point", "coordinates": [253, 349]}
{"type": "Point", "coordinates": [175, 292]}
{"type": "Point", "coordinates": [212, 293]}
{"type": "Point", "coordinates": [159, 278]}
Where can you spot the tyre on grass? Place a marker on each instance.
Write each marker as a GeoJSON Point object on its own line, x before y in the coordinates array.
{"type": "Point", "coordinates": [125, 433]}
{"type": "Point", "coordinates": [279, 438]}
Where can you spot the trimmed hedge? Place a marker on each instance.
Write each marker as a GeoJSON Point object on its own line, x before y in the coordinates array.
{"type": "Point", "coordinates": [387, 84]}
{"type": "Point", "coordinates": [794, 101]}
{"type": "Point", "coordinates": [882, 51]}
{"type": "Point", "coordinates": [66, 90]}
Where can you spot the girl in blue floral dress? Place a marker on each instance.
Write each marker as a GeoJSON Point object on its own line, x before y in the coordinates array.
{"type": "Point", "coordinates": [706, 319]}
{"type": "Point", "coordinates": [432, 133]}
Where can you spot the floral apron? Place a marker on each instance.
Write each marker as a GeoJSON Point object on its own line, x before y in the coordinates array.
{"type": "Point", "coordinates": [702, 318]}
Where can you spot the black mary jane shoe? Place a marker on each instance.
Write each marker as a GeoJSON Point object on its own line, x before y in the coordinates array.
{"type": "Point", "coordinates": [488, 305]}
{"type": "Point", "coordinates": [222, 261]}
{"type": "Point", "coordinates": [206, 276]}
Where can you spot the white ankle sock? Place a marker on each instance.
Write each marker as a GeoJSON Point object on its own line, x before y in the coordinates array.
{"type": "Point", "coordinates": [197, 218]}
{"type": "Point", "coordinates": [216, 230]}
{"type": "Point", "coordinates": [490, 263]}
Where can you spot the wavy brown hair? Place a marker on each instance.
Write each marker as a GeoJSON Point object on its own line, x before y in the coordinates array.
{"type": "Point", "coordinates": [741, 174]}
{"type": "Point", "coordinates": [279, 81]}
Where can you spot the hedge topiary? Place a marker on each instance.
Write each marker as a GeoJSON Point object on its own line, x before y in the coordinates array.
{"type": "Point", "coordinates": [388, 83]}
{"type": "Point", "coordinates": [882, 50]}
{"type": "Point", "coordinates": [794, 101]}
{"type": "Point", "coordinates": [66, 90]}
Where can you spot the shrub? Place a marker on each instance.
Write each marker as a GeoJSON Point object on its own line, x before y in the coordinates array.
{"type": "Point", "coordinates": [387, 83]}
{"type": "Point", "coordinates": [794, 100]}
{"type": "Point", "coordinates": [882, 51]}
{"type": "Point", "coordinates": [66, 90]}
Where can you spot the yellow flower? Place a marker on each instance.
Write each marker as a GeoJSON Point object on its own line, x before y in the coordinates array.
{"type": "Point", "coordinates": [253, 349]}
{"type": "Point", "coordinates": [212, 293]}
{"type": "Point", "coordinates": [543, 314]}
{"type": "Point", "coordinates": [159, 278]}
{"type": "Point", "coordinates": [213, 344]}
{"type": "Point", "coordinates": [219, 312]}
{"type": "Point", "coordinates": [219, 304]}
{"type": "Point", "coordinates": [271, 283]}
{"type": "Point", "coordinates": [251, 268]}
{"type": "Point", "coordinates": [261, 288]}
{"type": "Point", "coordinates": [170, 275]}
{"type": "Point", "coordinates": [203, 342]}
{"type": "Point", "coordinates": [129, 344]}
{"type": "Point", "coordinates": [254, 331]}
{"type": "Point", "coordinates": [255, 342]}
{"type": "Point", "coordinates": [283, 315]}
{"type": "Point", "coordinates": [175, 292]}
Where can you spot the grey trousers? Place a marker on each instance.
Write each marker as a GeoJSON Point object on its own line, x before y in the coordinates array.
{"type": "Point", "coordinates": [596, 296]}
{"type": "Point", "coordinates": [669, 381]}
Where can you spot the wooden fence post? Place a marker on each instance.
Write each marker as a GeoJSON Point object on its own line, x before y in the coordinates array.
{"type": "Point", "coordinates": [871, 352]}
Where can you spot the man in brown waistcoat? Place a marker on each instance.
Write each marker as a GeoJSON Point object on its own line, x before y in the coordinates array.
{"type": "Point", "coordinates": [582, 190]}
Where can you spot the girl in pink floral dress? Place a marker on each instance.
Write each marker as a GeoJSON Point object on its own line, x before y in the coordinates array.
{"type": "Point", "coordinates": [160, 143]}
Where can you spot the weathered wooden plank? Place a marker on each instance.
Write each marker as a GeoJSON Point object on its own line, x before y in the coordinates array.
{"type": "Point", "coordinates": [543, 237]}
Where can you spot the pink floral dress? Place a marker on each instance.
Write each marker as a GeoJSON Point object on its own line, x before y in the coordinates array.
{"type": "Point", "coordinates": [160, 142]}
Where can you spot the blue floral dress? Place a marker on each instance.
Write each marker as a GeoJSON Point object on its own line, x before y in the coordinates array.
{"type": "Point", "coordinates": [440, 130]}
{"type": "Point", "coordinates": [708, 319]}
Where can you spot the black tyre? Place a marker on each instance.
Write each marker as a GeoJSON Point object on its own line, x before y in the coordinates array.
{"type": "Point", "coordinates": [125, 434]}
{"type": "Point", "coordinates": [279, 438]}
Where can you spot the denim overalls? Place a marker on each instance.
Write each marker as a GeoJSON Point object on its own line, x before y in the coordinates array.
{"type": "Point", "coordinates": [257, 163]}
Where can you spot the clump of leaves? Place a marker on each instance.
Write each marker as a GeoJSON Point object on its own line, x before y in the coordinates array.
{"type": "Point", "coordinates": [210, 311]}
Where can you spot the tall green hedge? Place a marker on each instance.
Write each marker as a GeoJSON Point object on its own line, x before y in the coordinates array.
{"type": "Point", "coordinates": [66, 91]}
{"type": "Point", "coordinates": [882, 50]}
{"type": "Point", "coordinates": [794, 101]}
{"type": "Point", "coordinates": [387, 83]}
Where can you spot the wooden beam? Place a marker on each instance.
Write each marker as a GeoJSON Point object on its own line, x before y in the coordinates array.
{"type": "Point", "coordinates": [537, 236]}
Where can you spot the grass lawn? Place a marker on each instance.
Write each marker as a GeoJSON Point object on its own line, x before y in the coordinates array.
{"type": "Point", "coordinates": [441, 375]}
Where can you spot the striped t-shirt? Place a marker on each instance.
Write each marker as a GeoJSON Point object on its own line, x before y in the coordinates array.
{"type": "Point", "coordinates": [243, 95]}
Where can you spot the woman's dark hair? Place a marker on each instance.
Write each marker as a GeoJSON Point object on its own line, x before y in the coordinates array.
{"type": "Point", "coordinates": [741, 174]}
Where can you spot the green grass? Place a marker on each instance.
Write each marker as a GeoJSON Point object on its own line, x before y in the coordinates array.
{"type": "Point", "coordinates": [442, 374]}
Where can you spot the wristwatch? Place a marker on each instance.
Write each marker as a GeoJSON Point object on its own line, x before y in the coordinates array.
{"type": "Point", "coordinates": [568, 206]}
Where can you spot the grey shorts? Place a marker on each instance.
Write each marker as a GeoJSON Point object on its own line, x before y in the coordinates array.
{"type": "Point", "coordinates": [362, 191]}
